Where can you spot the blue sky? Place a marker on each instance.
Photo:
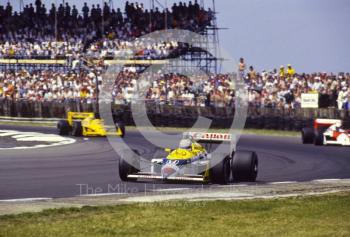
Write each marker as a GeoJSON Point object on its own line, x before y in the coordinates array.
{"type": "Point", "coordinates": [312, 35]}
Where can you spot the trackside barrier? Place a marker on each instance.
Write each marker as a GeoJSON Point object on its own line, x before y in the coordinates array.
{"type": "Point", "coordinates": [175, 116]}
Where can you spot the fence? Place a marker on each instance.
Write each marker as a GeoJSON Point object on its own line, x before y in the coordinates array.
{"type": "Point", "coordinates": [177, 116]}
{"type": "Point", "coordinates": [66, 64]}
{"type": "Point", "coordinates": [34, 64]}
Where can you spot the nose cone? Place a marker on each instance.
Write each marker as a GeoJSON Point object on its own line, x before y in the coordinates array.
{"type": "Point", "coordinates": [169, 171]}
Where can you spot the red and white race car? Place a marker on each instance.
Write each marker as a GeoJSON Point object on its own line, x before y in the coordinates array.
{"type": "Point", "coordinates": [326, 132]}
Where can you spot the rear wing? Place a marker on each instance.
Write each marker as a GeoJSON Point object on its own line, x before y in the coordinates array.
{"type": "Point", "coordinates": [79, 116]}
{"type": "Point", "coordinates": [324, 123]}
{"type": "Point", "coordinates": [210, 137]}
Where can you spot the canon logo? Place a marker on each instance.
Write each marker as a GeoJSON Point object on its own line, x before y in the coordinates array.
{"type": "Point", "coordinates": [212, 136]}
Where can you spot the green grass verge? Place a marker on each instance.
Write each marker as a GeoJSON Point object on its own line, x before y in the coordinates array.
{"type": "Point", "coordinates": [326, 215]}
{"type": "Point", "coordinates": [171, 129]}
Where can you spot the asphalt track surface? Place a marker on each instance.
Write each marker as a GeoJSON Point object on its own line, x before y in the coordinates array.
{"type": "Point", "coordinates": [90, 166]}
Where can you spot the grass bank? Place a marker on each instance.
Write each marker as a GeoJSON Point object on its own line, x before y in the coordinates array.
{"type": "Point", "coordinates": [326, 215]}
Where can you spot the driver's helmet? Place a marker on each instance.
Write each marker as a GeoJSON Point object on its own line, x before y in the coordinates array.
{"type": "Point", "coordinates": [339, 127]}
{"type": "Point", "coordinates": [185, 144]}
{"type": "Point", "coordinates": [336, 127]}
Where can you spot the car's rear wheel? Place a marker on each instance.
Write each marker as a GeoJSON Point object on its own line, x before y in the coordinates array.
{"type": "Point", "coordinates": [244, 166]}
{"type": "Point", "coordinates": [77, 129]}
{"type": "Point", "coordinates": [220, 173]}
{"type": "Point", "coordinates": [128, 165]}
{"type": "Point", "coordinates": [63, 128]}
{"type": "Point", "coordinates": [307, 135]}
{"type": "Point", "coordinates": [319, 138]}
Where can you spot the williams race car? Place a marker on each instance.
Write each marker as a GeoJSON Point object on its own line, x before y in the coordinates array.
{"type": "Point", "coordinates": [326, 132]}
{"type": "Point", "coordinates": [86, 124]}
{"type": "Point", "coordinates": [192, 161]}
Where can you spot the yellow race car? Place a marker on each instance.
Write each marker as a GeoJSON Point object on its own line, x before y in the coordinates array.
{"type": "Point", "coordinates": [193, 162]}
{"type": "Point", "coordinates": [86, 124]}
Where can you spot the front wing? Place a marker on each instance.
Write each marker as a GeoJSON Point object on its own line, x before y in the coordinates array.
{"type": "Point", "coordinates": [184, 178]}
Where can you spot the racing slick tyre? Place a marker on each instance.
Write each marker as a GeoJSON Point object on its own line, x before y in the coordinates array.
{"type": "Point", "coordinates": [121, 126]}
{"type": "Point", "coordinates": [77, 129]}
{"type": "Point", "coordinates": [319, 138]}
{"type": "Point", "coordinates": [125, 168]}
{"type": "Point", "coordinates": [220, 173]}
{"type": "Point", "coordinates": [307, 135]}
{"type": "Point", "coordinates": [63, 128]}
{"type": "Point", "coordinates": [244, 166]}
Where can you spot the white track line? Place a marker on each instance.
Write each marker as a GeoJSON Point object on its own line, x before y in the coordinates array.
{"type": "Point", "coordinates": [100, 194]}
{"type": "Point", "coordinates": [169, 189]}
{"type": "Point", "coordinates": [6, 133]}
{"type": "Point", "coordinates": [53, 139]}
{"type": "Point", "coordinates": [327, 180]}
{"type": "Point", "coordinates": [283, 182]}
{"type": "Point", "coordinates": [229, 186]}
{"type": "Point", "coordinates": [26, 199]}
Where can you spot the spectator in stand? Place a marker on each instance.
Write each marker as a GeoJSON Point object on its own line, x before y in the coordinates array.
{"type": "Point", "coordinates": [347, 103]}
{"type": "Point", "coordinates": [290, 71]}
{"type": "Point", "coordinates": [85, 11]}
{"type": "Point", "coordinates": [252, 73]}
{"type": "Point", "coordinates": [241, 68]}
{"type": "Point", "coordinates": [342, 98]}
{"type": "Point", "coordinates": [282, 71]}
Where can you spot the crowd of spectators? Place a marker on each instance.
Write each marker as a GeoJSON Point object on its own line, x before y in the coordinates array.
{"type": "Point", "coordinates": [269, 89]}
{"type": "Point", "coordinates": [283, 88]}
{"type": "Point", "coordinates": [137, 49]}
{"type": "Point", "coordinates": [176, 89]}
{"type": "Point", "coordinates": [40, 50]}
{"type": "Point", "coordinates": [63, 30]}
{"type": "Point", "coordinates": [103, 48]}
{"type": "Point", "coordinates": [48, 86]}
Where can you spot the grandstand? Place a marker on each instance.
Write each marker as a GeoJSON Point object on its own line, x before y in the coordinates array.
{"type": "Point", "coordinates": [62, 32]}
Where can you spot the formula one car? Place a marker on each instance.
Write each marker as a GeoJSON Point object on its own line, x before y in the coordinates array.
{"type": "Point", "coordinates": [86, 124]}
{"type": "Point", "coordinates": [191, 162]}
{"type": "Point", "coordinates": [326, 132]}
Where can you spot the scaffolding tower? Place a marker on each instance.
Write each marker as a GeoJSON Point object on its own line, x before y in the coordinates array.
{"type": "Point", "coordinates": [206, 55]}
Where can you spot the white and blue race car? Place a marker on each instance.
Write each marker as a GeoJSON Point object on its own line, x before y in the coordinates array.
{"type": "Point", "coordinates": [192, 161]}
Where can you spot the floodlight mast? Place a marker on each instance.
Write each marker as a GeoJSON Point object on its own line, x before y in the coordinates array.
{"type": "Point", "coordinates": [21, 4]}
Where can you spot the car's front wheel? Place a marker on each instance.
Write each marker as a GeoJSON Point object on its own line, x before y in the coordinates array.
{"type": "Point", "coordinates": [220, 173]}
{"type": "Point", "coordinates": [128, 165]}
